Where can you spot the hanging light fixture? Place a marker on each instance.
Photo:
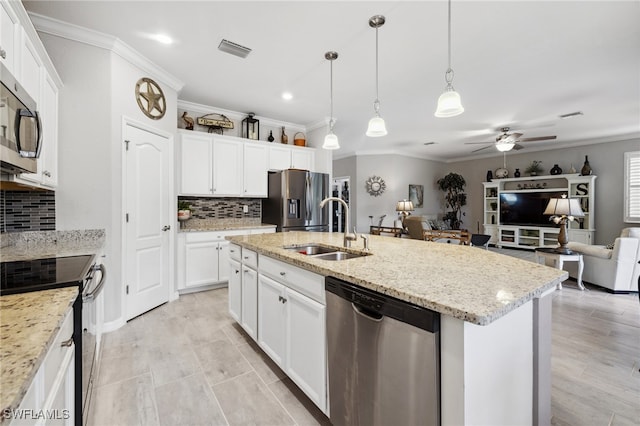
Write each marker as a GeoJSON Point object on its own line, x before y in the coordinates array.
{"type": "Point", "coordinates": [331, 140]}
{"type": "Point", "coordinates": [376, 127]}
{"type": "Point", "coordinates": [449, 104]}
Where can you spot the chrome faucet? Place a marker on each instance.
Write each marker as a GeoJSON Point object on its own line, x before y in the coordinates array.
{"type": "Point", "coordinates": [348, 237]}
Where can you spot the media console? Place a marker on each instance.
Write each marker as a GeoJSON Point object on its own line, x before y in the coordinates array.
{"type": "Point", "coordinates": [527, 228]}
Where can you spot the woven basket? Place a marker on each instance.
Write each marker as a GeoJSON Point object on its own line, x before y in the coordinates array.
{"type": "Point", "coordinates": [299, 141]}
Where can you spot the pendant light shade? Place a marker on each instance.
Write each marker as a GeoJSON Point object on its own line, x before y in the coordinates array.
{"type": "Point", "coordinates": [331, 140]}
{"type": "Point", "coordinates": [376, 127]}
{"type": "Point", "coordinates": [449, 103]}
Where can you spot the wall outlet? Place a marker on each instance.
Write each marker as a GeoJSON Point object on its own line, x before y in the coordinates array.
{"type": "Point", "coordinates": [245, 209]}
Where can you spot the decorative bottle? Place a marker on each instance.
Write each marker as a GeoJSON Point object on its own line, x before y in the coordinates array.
{"type": "Point", "coordinates": [489, 175]}
{"type": "Point", "coordinates": [586, 167]}
{"type": "Point", "coordinates": [271, 138]}
{"type": "Point", "coordinates": [516, 173]}
{"type": "Point", "coordinates": [284, 138]}
{"type": "Point", "coordinates": [555, 170]}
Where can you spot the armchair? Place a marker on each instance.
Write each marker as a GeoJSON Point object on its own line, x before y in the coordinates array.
{"type": "Point", "coordinates": [616, 269]}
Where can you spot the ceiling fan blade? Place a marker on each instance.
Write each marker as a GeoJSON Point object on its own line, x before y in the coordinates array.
{"type": "Point", "coordinates": [517, 147]}
{"type": "Point", "coordinates": [479, 143]}
{"type": "Point", "coordinates": [540, 138]}
{"type": "Point", "coordinates": [484, 147]}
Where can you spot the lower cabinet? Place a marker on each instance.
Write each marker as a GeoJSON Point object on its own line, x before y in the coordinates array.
{"type": "Point", "coordinates": [292, 331]}
{"type": "Point", "coordinates": [52, 391]}
{"type": "Point", "coordinates": [249, 317]}
{"type": "Point", "coordinates": [235, 290]}
{"type": "Point", "coordinates": [203, 259]}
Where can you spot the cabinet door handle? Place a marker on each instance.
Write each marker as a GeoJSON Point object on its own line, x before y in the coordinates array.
{"type": "Point", "coordinates": [47, 173]}
{"type": "Point", "coordinates": [237, 271]}
{"type": "Point", "coordinates": [284, 300]}
{"type": "Point", "coordinates": [67, 343]}
{"type": "Point", "coordinates": [246, 257]}
{"type": "Point", "coordinates": [283, 273]}
{"type": "Point", "coordinates": [166, 228]}
{"type": "Point", "coordinates": [245, 270]}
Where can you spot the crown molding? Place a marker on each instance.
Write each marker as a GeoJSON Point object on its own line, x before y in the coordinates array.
{"type": "Point", "coordinates": [235, 115]}
{"type": "Point", "coordinates": [84, 35]}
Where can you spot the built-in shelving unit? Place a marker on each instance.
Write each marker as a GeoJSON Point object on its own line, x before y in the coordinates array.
{"type": "Point", "coordinates": [531, 237]}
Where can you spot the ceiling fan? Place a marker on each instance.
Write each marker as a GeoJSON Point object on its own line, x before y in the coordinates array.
{"type": "Point", "coordinates": [508, 141]}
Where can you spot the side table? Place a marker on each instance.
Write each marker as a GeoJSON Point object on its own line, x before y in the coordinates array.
{"type": "Point", "coordinates": [558, 260]}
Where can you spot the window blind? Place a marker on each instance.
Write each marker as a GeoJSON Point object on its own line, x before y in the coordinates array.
{"type": "Point", "coordinates": [632, 186]}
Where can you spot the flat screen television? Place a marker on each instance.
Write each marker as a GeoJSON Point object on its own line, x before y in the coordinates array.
{"type": "Point", "coordinates": [526, 208]}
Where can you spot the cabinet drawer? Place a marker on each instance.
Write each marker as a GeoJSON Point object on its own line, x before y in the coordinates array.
{"type": "Point", "coordinates": [235, 252]}
{"type": "Point", "coordinates": [250, 258]}
{"type": "Point", "coordinates": [306, 282]}
{"type": "Point", "coordinates": [53, 360]}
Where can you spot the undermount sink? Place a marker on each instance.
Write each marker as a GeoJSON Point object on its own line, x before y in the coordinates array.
{"type": "Point", "coordinates": [311, 249]}
{"type": "Point", "coordinates": [338, 255]}
{"type": "Point", "coordinates": [324, 253]}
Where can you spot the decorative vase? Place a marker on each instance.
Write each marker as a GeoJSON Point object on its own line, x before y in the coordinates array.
{"type": "Point", "coordinates": [284, 138]}
{"type": "Point", "coordinates": [271, 138]}
{"type": "Point", "coordinates": [586, 167]}
{"type": "Point", "coordinates": [489, 175]}
{"type": "Point", "coordinates": [555, 170]}
{"type": "Point", "coordinates": [184, 214]}
{"type": "Point", "coordinates": [516, 173]}
{"type": "Point", "coordinates": [572, 169]}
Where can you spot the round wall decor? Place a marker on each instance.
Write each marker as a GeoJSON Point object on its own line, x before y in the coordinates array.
{"type": "Point", "coordinates": [150, 98]}
{"type": "Point", "coordinates": [375, 186]}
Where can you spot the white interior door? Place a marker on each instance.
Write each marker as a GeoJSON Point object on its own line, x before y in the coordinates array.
{"type": "Point", "coordinates": [147, 207]}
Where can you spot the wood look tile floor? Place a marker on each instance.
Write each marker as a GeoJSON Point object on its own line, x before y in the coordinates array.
{"type": "Point", "coordinates": [188, 363]}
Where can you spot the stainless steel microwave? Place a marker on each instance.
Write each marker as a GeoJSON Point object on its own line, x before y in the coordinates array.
{"type": "Point", "coordinates": [20, 127]}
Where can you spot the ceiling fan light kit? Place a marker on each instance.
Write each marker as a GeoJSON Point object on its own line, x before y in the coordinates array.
{"type": "Point", "coordinates": [505, 146]}
{"type": "Point", "coordinates": [449, 103]}
{"type": "Point", "coordinates": [331, 140]}
{"type": "Point", "coordinates": [377, 126]}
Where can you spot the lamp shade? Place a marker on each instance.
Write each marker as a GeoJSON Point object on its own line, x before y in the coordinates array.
{"type": "Point", "coordinates": [505, 146]}
{"type": "Point", "coordinates": [331, 141]}
{"type": "Point", "coordinates": [377, 127]}
{"type": "Point", "coordinates": [449, 104]}
{"type": "Point", "coordinates": [564, 207]}
{"type": "Point", "coordinates": [404, 206]}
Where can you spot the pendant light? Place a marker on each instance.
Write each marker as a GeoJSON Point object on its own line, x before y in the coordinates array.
{"type": "Point", "coordinates": [449, 104]}
{"type": "Point", "coordinates": [376, 127]}
{"type": "Point", "coordinates": [331, 140]}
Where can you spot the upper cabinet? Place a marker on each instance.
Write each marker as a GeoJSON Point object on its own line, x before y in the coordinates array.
{"type": "Point", "coordinates": [23, 54]}
{"type": "Point", "coordinates": [283, 157]}
{"type": "Point", "coordinates": [222, 166]}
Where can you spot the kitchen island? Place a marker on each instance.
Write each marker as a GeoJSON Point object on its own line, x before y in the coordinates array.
{"type": "Point", "coordinates": [495, 316]}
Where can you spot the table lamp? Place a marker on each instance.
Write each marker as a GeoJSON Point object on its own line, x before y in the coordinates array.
{"type": "Point", "coordinates": [405, 207]}
{"type": "Point", "coordinates": [563, 210]}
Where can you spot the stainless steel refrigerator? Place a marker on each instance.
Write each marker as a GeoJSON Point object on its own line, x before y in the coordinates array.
{"type": "Point", "coordinates": [294, 201]}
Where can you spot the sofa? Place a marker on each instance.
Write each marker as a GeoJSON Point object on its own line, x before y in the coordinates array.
{"type": "Point", "coordinates": [616, 268]}
{"type": "Point", "coordinates": [423, 228]}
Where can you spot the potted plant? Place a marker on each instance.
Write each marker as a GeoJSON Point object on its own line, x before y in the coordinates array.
{"type": "Point", "coordinates": [453, 186]}
{"type": "Point", "coordinates": [534, 168]}
{"type": "Point", "coordinates": [184, 210]}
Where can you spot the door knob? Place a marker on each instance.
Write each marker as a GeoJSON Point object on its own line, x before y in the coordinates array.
{"type": "Point", "coordinates": [166, 228]}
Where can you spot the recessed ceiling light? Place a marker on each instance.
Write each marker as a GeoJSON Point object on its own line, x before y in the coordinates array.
{"type": "Point", "coordinates": [287, 96]}
{"type": "Point", "coordinates": [162, 38]}
{"type": "Point", "coordinates": [570, 115]}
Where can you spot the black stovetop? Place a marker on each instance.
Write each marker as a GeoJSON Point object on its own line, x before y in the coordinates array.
{"type": "Point", "coordinates": [43, 274]}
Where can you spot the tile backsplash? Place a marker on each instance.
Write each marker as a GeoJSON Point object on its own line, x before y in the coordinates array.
{"type": "Point", "coordinates": [224, 208]}
{"type": "Point", "coordinates": [27, 211]}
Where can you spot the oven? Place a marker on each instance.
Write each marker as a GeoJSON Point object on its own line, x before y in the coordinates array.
{"type": "Point", "coordinates": [89, 275]}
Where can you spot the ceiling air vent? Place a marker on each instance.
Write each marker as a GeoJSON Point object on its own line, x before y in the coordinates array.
{"type": "Point", "coordinates": [234, 48]}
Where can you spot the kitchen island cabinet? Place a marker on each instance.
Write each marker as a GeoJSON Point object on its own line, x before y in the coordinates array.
{"type": "Point", "coordinates": [495, 316]}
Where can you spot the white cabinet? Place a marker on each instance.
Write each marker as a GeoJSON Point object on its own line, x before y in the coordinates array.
{"type": "Point", "coordinates": [203, 259]}
{"type": "Point", "coordinates": [52, 390]}
{"type": "Point", "coordinates": [256, 165]}
{"type": "Point", "coordinates": [291, 325]}
{"type": "Point", "coordinates": [228, 167]}
{"type": "Point", "coordinates": [249, 319]}
{"type": "Point", "coordinates": [282, 157]}
{"type": "Point", "coordinates": [235, 289]}
{"type": "Point", "coordinates": [9, 34]}
{"type": "Point", "coordinates": [196, 155]}
{"type": "Point", "coordinates": [222, 166]}
{"type": "Point", "coordinates": [30, 65]}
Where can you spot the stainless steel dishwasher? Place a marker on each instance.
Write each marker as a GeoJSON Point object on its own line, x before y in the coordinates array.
{"type": "Point", "coordinates": [383, 358]}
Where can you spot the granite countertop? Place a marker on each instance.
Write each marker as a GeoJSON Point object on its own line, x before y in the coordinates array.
{"type": "Point", "coordinates": [468, 283]}
{"type": "Point", "coordinates": [194, 225]}
{"type": "Point", "coordinates": [28, 325]}
{"type": "Point", "coordinates": [44, 244]}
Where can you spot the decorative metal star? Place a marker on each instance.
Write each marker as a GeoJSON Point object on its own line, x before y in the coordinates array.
{"type": "Point", "coordinates": [154, 105]}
